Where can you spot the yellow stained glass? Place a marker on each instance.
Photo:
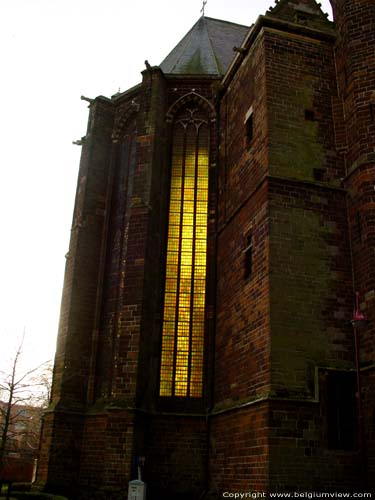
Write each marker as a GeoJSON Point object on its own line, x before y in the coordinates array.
{"type": "Point", "coordinates": [199, 300]}
{"type": "Point", "coordinates": [168, 330]}
{"type": "Point", "coordinates": [198, 319]}
{"type": "Point", "coordinates": [189, 194]}
{"type": "Point", "coordinates": [170, 300]}
{"type": "Point", "coordinates": [169, 313]}
{"type": "Point", "coordinates": [176, 183]}
{"type": "Point", "coordinates": [173, 245]}
{"type": "Point", "coordinates": [189, 206]}
{"type": "Point", "coordinates": [202, 195]}
{"type": "Point", "coordinates": [200, 246]}
{"type": "Point", "coordinates": [172, 269]}
{"type": "Point", "coordinates": [175, 206]}
{"type": "Point", "coordinates": [187, 232]}
{"type": "Point", "coordinates": [185, 286]}
{"type": "Point", "coordinates": [189, 183]}
{"type": "Point", "coordinates": [177, 173]}
{"type": "Point", "coordinates": [185, 271]}
{"type": "Point", "coordinates": [187, 245]}
{"type": "Point", "coordinates": [201, 207]}
{"type": "Point", "coordinates": [172, 260]}
{"type": "Point", "coordinates": [183, 312]}
{"type": "Point", "coordinates": [202, 183]}
{"type": "Point", "coordinates": [201, 232]}
{"type": "Point", "coordinates": [181, 373]}
{"type": "Point", "coordinates": [200, 260]}
{"type": "Point", "coordinates": [173, 230]}
{"type": "Point", "coordinates": [200, 272]}
{"type": "Point", "coordinates": [187, 219]}
{"type": "Point", "coordinates": [176, 195]}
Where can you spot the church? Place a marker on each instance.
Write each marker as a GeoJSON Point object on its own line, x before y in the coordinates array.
{"type": "Point", "coordinates": [217, 322]}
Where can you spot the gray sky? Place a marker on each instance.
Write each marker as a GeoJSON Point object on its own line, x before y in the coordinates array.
{"type": "Point", "coordinates": [52, 52]}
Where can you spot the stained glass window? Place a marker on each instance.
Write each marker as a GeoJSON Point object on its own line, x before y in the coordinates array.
{"type": "Point", "coordinates": [182, 355]}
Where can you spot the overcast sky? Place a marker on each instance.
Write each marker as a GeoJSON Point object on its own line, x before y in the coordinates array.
{"type": "Point", "coordinates": [52, 52]}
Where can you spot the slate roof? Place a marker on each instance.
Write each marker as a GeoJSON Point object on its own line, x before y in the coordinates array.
{"type": "Point", "coordinates": [207, 49]}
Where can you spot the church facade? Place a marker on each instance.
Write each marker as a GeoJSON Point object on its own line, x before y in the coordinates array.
{"type": "Point", "coordinates": [223, 233]}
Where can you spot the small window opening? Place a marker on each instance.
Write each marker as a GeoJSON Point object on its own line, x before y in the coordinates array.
{"type": "Point", "coordinates": [346, 76]}
{"type": "Point", "coordinates": [319, 174]}
{"type": "Point", "coordinates": [248, 257]}
{"type": "Point", "coordinates": [341, 414]}
{"type": "Point", "coordinates": [249, 124]}
{"type": "Point", "coordinates": [359, 226]}
{"type": "Point", "coordinates": [309, 115]}
{"type": "Point", "coordinates": [300, 18]}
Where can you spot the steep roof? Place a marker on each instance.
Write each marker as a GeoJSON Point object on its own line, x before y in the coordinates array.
{"type": "Point", "coordinates": [207, 49]}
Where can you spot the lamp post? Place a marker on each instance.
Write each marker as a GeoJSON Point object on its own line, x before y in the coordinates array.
{"type": "Point", "coordinates": [359, 320]}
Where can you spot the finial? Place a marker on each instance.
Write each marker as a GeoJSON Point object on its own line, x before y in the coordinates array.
{"type": "Point", "coordinates": [203, 6]}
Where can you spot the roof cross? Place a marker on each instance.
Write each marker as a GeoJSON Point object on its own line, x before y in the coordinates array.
{"type": "Point", "coordinates": [203, 6]}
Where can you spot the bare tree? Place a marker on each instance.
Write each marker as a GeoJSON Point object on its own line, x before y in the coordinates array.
{"type": "Point", "coordinates": [22, 399]}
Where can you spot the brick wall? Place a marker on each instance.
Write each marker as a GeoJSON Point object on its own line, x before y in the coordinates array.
{"type": "Point", "coordinates": [300, 79]}
{"type": "Point", "coordinates": [61, 438]}
{"type": "Point", "coordinates": [243, 165]}
{"type": "Point", "coordinates": [168, 100]}
{"type": "Point", "coordinates": [176, 456]}
{"type": "Point", "coordinates": [123, 159]}
{"type": "Point", "coordinates": [84, 261]}
{"type": "Point", "coordinates": [238, 437]}
{"type": "Point", "coordinates": [310, 284]}
{"type": "Point", "coordinates": [311, 293]}
{"type": "Point", "coordinates": [239, 451]}
{"type": "Point", "coordinates": [271, 330]}
{"type": "Point", "coordinates": [242, 347]}
{"type": "Point", "coordinates": [299, 456]}
{"type": "Point", "coordinates": [303, 245]}
{"type": "Point", "coordinates": [355, 62]}
{"type": "Point", "coordinates": [94, 451]}
{"type": "Point", "coordinates": [368, 384]}
{"type": "Point", "coordinates": [106, 454]}
{"type": "Point", "coordinates": [60, 452]}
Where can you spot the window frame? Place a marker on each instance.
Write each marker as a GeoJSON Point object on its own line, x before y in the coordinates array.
{"type": "Point", "coordinates": [174, 401]}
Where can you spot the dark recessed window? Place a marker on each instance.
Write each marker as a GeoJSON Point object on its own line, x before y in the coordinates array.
{"type": "Point", "coordinates": [342, 410]}
{"type": "Point", "coordinates": [249, 124]}
{"type": "Point", "coordinates": [319, 174]}
{"type": "Point", "coordinates": [248, 256]}
{"type": "Point", "coordinates": [300, 18]}
{"type": "Point", "coordinates": [309, 115]}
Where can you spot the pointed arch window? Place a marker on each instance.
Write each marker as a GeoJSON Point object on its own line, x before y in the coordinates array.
{"type": "Point", "coordinates": [182, 356]}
